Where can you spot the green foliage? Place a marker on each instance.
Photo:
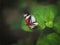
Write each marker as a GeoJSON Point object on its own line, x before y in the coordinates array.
{"type": "Point", "coordinates": [57, 24]}
{"type": "Point", "coordinates": [44, 14]}
{"type": "Point", "coordinates": [51, 39]}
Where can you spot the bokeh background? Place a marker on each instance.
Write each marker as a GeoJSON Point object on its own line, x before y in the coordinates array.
{"type": "Point", "coordinates": [14, 31]}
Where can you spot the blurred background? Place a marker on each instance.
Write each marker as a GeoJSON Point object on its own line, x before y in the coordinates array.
{"type": "Point", "coordinates": [14, 31]}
